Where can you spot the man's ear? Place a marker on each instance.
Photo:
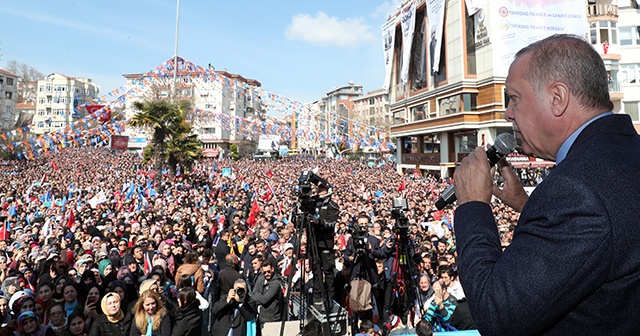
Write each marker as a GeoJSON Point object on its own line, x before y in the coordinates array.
{"type": "Point", "coordinates": [560, 96]}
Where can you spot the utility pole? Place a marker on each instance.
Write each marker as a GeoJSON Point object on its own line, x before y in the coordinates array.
{"type": "Point", "coordinates": [175, 55]}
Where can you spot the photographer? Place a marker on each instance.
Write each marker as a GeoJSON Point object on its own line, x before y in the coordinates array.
{"type": "Point", "coordinates": [323, 226]}
{"type": "Point", "coordinates": [360, 255]}
{"type": "Point", "coordinates": [232, 312]}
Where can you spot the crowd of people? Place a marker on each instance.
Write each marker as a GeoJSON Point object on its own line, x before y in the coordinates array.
{"type": "Point", "coordinates": [91, 244]}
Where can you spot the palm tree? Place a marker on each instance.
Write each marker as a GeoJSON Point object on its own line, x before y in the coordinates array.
{"type": "Point", "coordinates": [161, 117]}
{"type": "Point", "coordinates": [184, 150]}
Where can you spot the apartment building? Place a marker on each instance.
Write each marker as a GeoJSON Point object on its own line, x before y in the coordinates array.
{"type": "Point", "coordinates": [212, 93]}
{"type": "Point", "coordinates": [446, 76]}
{"type": "Point", "coordinates": [58, 99]}
{"type": "Point", "coordinates": [8, 98]}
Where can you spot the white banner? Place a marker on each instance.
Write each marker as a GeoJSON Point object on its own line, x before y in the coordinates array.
{"type": "Point", "coordinates": [408, 23]}
{"type": "Point", "coordinates": [388, 43]}
{"type": "Point", "coordinates": [516, 24]}
{"type": "Point", "coordinates": [435, 14]}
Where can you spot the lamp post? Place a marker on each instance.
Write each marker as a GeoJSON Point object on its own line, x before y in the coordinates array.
{"type": "Point", "coordinates": [175, 55]}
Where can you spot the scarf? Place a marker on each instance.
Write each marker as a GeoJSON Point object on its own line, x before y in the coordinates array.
{"type": "Point", "coordinates": [69, 308]}
{"type": "Point", "coordinates": [116, 317]}
{"type": "Point", "coordinates": [149, 326]}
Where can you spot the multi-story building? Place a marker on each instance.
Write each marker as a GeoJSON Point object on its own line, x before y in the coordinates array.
{"type": "Point", "coordinates": [336, 110]}
{"type": "Point", "coordinates": [629, 64]}
{"type": "Point", "coordinates": [8, 97]}
{"type": "Point", "coordinates": [219, 92]}
{"type": "Point", "coordinates": [373, 109]}
{"type": "Point", "coordinates": [58, 99]}
{"type": "Point", "coordinates": [444, 110]}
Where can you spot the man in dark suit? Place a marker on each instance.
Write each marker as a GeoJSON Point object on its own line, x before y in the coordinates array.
{"type": "Point", "coordinates": [573, 267]}
{"type": "Point", "coordinates": [231, 312]}
{"type": "Point", "coordinates": [222, 249]}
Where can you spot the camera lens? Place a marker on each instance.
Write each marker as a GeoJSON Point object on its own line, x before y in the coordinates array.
{"type": "Point", "coordinates": [240, 291]}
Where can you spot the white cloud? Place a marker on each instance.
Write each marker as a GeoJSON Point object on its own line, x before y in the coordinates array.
{"type": "Point", "coordinates": [329, 31]}
{"type": "Point", "coordinates": [387, 8]}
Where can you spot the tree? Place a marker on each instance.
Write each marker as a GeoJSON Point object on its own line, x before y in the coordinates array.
{"type": "Point", "coordinates": [234, 152]}
{"type": "Point", "coordinates": [25, 72]}
{"type": "Point", "coordinates": [162, 118]}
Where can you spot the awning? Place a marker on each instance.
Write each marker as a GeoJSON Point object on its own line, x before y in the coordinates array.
{"type": "Point", "coordinates": [211, 152]}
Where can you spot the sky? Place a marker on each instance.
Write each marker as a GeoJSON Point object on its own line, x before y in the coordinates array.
{"type": "Point", "coordinates": [298, 49]}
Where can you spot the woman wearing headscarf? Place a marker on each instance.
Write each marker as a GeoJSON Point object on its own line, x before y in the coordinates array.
{"type": "Point", "coordinates": [193, 269]}
{"type": "Point", "coordinates": [9, 286]}
{"type": "Point", "coordinates": [27, 325]}
{"type": "Point", "coordinates": [150, 316]}
{"type": "Point", "coordinates": [70, 295]}
{"type": "Point", "coordinates": [113, 322]}
{"type": "Point", "coordinates": [105, 267]}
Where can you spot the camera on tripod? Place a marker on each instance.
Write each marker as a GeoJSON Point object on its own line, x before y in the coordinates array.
{"type": "Point", "coordinates": [359, 237]}
{"type": "Point", "coordinates": [402, 222]}
{"type": "Point", "coordinates": [308, 203]}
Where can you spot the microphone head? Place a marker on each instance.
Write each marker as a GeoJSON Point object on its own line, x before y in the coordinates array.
{"type": "Point", "coordinates": [505, 143]}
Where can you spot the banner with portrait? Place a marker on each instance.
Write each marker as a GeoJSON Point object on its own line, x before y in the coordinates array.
{"type": "Point", "coordinates": [388, 43]}
{"type": "Point", "coordinates": [408, 23]}
{"type": "Point", "coordinates": [435, 15]}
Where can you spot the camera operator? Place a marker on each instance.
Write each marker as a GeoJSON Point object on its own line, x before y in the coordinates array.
{"type": "Point", "coordinates": [232, 312]}
{"type": "Point", "coordinates": [323, 226]}
{"type": "Point", "coordinates": [360, 255]}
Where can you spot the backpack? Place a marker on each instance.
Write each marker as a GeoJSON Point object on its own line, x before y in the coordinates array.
{"type": "Point", "coordinates": [360, 295]}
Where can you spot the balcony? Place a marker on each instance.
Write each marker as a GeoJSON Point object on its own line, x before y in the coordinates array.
{"type": "Point", "coordinates": [614, 91]}
{"type": "Point", "coordinates": [596, 11]}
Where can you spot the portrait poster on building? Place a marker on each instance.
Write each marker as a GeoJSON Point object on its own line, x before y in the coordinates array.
{"type": "Point", "coordinates": [407, 23]}
{"type": "Point", "coordinates": [435, 15]}
{"type": "Point", "coordinates": [388, 42]}
{"type": "Point", "coordinates": [516, 24]}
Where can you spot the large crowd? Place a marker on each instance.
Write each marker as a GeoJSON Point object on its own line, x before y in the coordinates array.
{"type": "Point", "coordinates": [92, 242]}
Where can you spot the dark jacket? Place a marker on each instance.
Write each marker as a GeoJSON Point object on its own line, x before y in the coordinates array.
{"type": "Point", "coordinates": [187, 321]}
{"type": "Point", "coordinates": [225, 319]}
{"type": "Point", "coordinates": [102, 327]}
{"type": "Point", "coordinates": [269, 298]}
{"type": "Point", "coordinates": [164, 330]}
{"type": "Point", "coordinates": [573, 267]}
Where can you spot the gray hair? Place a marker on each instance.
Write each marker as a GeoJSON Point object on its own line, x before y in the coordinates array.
{"type": "Point", "coordinates": [573, 61]}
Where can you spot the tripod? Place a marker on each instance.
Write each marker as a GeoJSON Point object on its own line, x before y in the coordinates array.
{"type": "Point", "coordinates": [302, 222]}
{"type": "Point", "coordinates": [406, 265]}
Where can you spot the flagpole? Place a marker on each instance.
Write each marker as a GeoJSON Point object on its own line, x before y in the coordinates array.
{"type": "Point", "coordinates": [175, 55]}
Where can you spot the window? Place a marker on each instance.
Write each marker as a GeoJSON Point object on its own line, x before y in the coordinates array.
{"type": "Point", "coordinates": [631, 108]}
{"type": "Point", "coordinates": [471, 42]}
{"type": "Point", "coordinates": [449, 105]}
{"type": "Point", "coordinates": [470, 101]}
{"type": "Point", "coordinates": [418, 62]}
{"type": "Point", "coordinates": [8, 95]}
{"type": "Point", "coordinates": [603, 31]}
{"type": "Point", "coordinates": [417, 113]}
{"type": "Point", "coordinates": [10, 81]}
{"type": "Point", "coordinates": [629, 73]}
{"type": "Point", "coordinates": [41, 112]}
{"type": "Point", "coordinates": [431, 143]}
{"type": "Point", "coordinates": [626, 37]}
{"type": "Point", "coordinates": [467, 143]}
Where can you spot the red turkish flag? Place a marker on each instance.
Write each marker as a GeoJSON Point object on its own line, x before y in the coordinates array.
{"type": "Point", "coordinates": [253, 214]}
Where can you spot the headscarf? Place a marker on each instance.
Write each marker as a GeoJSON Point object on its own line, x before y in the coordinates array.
{"type": "Point", "coordinates": [146, 285]}
{"type": "Point", "coordinates": [103, 304]}
{"type": "Point", "coordinates": [102, 265]}
{"type": "Point", "coordinates": [23, 318]}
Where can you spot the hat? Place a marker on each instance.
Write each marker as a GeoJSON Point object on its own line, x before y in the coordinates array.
{"type": "Point", "coordinates": [129, 259]}
{"type": "Point", "coordinates": [288, 246]}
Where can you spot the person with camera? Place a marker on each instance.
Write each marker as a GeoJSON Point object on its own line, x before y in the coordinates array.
{"type": "Point", "coordinates": [360, 255]}
{"type": "Point", "coordinates": [231, 313]}
{"type": "Point", "coordinates": [323, 226]}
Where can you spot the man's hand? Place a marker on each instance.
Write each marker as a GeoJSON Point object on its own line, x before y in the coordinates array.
{"type": "Point", "coordinates": [473, 178]}
{"type": "Point", "coordinates": [512, 192]}
{"type": "Point", "coordinates": [231, 295]}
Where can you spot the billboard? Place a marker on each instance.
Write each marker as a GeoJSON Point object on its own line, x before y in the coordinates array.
{"type": "Point", "coordinates": [268, 142]}
{"type": "Point", "coordinates": [119, 142]}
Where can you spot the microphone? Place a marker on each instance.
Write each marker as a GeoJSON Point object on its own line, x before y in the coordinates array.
{"type": "Point", "coordinates": [505, 143]}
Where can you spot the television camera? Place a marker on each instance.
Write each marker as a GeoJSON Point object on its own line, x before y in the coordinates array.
{"type": "Point", "coordinates": [309, 204]}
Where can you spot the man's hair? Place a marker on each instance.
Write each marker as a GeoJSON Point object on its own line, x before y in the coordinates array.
{"type": "Point", "coordinates": [571, 60]}
{"type": "Point", "coordinates": [423, 328]}
{"type": "Point", "coordinates": [366, 325]}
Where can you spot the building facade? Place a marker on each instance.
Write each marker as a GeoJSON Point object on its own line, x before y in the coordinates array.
{"type": "Point", "coordinates": [8, 99]}
{"type": "Point", "coordinates": [58, 99]}
{"type": "Point", "coordinates": [225, 93]}
{"type": "Point", "coordinates": [444, 110]}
